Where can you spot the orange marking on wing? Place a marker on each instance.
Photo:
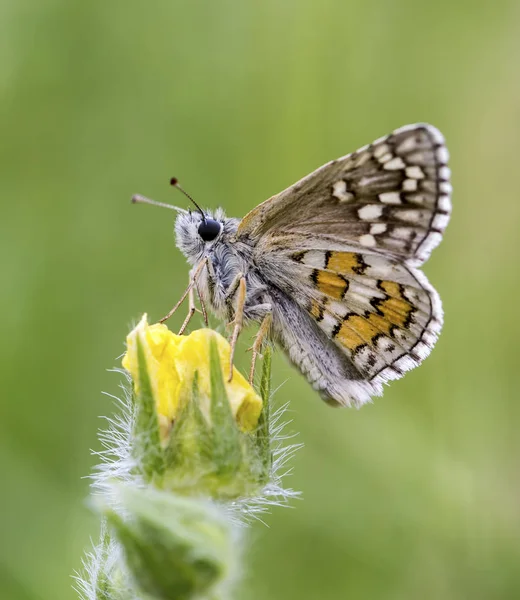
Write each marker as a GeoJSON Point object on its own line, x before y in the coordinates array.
{"type": "Point", "coordinates": [348, 337]}
{"type": "Point", "coordinates": [382, 324]}
{"type": "Point", "coordinates": [346, 263]}
{"type": "Point", "coordinates": [396, 305]}
{"type": "Point", "coordinates": [364, 326]}
{"type": "Point", "coordinates": [397, 310]}
{"type": "Point", "coordinates": [391, 288]}
{"type": "Point", "coordinates": [357, 330]}
{"type": "Point", "coordinates": [331, 284]}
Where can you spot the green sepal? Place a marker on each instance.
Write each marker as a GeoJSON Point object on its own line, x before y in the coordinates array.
{"type": "Point", "coordinates": [214, 457]}
{"type": "Point", "coordinates": [146, 442]}
{"type": "Point", "coordinates": [102, 583]}
{"type": "Point", "coordinates": [107, 579]}
{"type": "Point", "coordinates": [263, 438]}
{"type": "Point", "coordinates": [188, 454]}
{"type": "Point", "coordinates": [225, 449]}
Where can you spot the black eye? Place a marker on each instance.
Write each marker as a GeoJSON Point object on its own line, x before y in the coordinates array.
{"type": "Point", "coordinates": [209, 229]}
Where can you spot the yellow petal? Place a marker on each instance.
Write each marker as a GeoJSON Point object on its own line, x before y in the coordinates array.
{"type": "Point", "coordinates": [172, 361]}
{"type": "Point", "coordinates": [245, 403]}
{"type": "Point", "coordinates": [159, 347]}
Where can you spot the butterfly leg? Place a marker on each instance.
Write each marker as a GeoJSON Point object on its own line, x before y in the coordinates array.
{"type": "Point", "coordinates": [202, 306]}
{"type": "Point", "coordinates": [238, 288]}
{"type": "Point", "coordinates": [191, 311]}
{"type": "Point", "coordinates": [259, 338]}
{"type": "Point", "coordinates": [193, 281]}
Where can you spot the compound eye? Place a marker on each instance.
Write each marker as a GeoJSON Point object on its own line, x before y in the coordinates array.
{"type": "Point", "coordinates": [209, 229]}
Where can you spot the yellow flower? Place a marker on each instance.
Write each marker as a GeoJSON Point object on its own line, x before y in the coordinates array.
{"type": "Point", "coordinates": [172, 361]}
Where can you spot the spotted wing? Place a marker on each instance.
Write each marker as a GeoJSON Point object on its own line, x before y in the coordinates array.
{"type": "Point", "coordinates": [384, 315]}
{"type": "Point", "coordinates": [391, 197]}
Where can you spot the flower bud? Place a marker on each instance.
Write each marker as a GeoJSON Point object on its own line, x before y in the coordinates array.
{"type": "Point", "coordinates": [173, 547]}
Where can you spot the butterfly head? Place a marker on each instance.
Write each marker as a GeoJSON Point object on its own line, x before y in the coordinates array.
{"type": "Point", "coordinates": [200, 233]}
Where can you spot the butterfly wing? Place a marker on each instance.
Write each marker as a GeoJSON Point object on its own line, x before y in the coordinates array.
{"type": "Point", "coordinates": [381, 316]}
{"type": "Point", "coordinates": [344, 244]}
{"type": "Point", "coordinates": [392, 196]}
{"type": "Point", "coordinates": [384, 315]}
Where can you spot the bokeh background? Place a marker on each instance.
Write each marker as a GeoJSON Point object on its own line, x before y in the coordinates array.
{"type": "Point", "coordinates": [415, 496]}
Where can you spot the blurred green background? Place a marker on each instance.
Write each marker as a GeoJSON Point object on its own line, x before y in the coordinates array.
{"type": "Point", "coordinates": [415, 496]}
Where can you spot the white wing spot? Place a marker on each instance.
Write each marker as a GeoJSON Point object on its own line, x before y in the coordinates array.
{"type": "Point", "coordinates": [443, 154]}
{"type": "Point", "coordinates": [370, 212]}
{"type": "Point", "coordinates": [410, 216]}
{"type": "Point", "coordinates": [315, 258]}
{"type": "Point", "coordinates": [367, 240]}
{"type": "Point", "coordinates": [414, 172]}
{"type": "Point", "coordinates": [380, 150]}
{"type": "Point", "coordinates": [410, 185]}
{"type": "Point", "coordinates": [407, 145]}
{"type": "Point", "coordinates": [440, 221]}
{"type": "Point", "coordinates": [390, 198]}
{"type": "Point", "coordinates": [385, 158]}
{"type": "Point", "coordinates": [339, 191]}
{"type": "Point", "coordinates": [445, 187]}
{"type": "Point", "coordinates": [445, 173]}
{"type": "Point", "coordinates": [444, 203]}
{"type": "Point", "coordinates": [376, 228]}
{"type": "Point", "coordinates": [402, 233]}
{"type": "Point", "coordinates": [421, 350]}
{"type": "Point", "coordinates": [395, 164]}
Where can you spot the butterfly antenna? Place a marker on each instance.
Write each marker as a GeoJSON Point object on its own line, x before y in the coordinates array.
{"type": "Point", "coordinates": [138, 199]}
{"type": "Point", "coordinates": [175, 183]}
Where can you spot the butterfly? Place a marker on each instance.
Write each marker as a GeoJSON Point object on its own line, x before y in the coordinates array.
{"type": "Point", "coordinates": [329, 267]}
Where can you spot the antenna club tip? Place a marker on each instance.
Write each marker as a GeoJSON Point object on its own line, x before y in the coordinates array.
{"type": "Point", "coordinates": [134, 199]}
{"type": "Point", "coordinates": [174, 181]}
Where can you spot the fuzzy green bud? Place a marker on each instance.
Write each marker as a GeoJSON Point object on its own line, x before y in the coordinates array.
{"type": "Point", "coordinates": [174, 547]}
